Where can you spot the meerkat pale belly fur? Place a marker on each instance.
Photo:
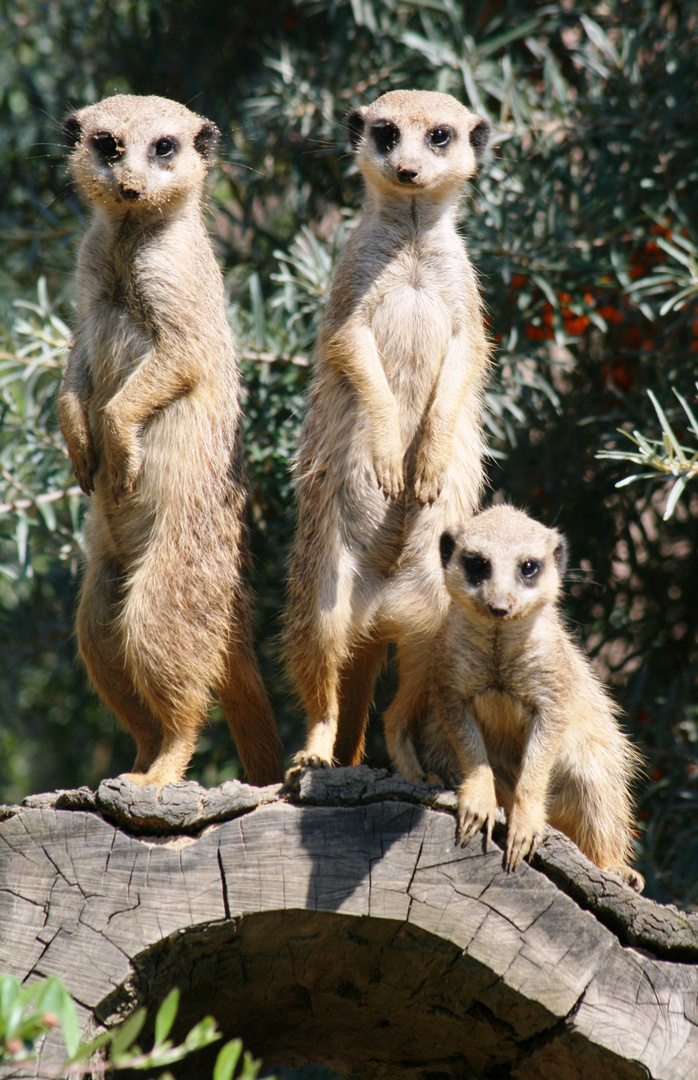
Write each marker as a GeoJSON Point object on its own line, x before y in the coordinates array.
{"type": "Point", "coordinates": [149, 410]}
{"type": "Point", "coordinates": [391, 446]}
{"type": "Point", "coordinates": [513, 707]}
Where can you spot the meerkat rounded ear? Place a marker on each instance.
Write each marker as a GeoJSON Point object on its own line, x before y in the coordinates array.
{"type": "Point", "coordinates": [72, 130]}
{"type": "Point", "coordinates": [560, 555]}
{"type": "Point", "coordinates": [479, 137]}
{"type": "Point", "coordinates": [206, 140]}
{"type": "Point", "coordinates": [355, 126]}
{"type": "Point", "coordinates": [447, 545]}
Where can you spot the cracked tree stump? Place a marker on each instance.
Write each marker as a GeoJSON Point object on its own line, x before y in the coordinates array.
{"type": "Point", "coordinates": [339, 922]}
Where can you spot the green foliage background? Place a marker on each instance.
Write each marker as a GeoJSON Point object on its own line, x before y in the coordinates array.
{"type": "Point", "coordinates": [583, 228]}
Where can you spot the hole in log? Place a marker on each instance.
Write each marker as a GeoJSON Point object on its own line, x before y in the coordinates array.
{"type": "Point", "coordinates": [368, 997]}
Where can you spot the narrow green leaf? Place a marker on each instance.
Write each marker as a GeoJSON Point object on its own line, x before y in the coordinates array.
{"type": "Point", "coordinates": [597, 36]}
{"type": "Point", "coordinates": [13, 1019]}
{"type": "Point", "coordinates": [128, 1033]}
{"type": "Point", "coordinates": [86, 1050]}
{"type": "Point", "coordinates": [666, 427]}
{"type": "Point", "coordinates": [202, 1034]}
{"type": "Point", "coordinates": [258, 314]}
{"type": "Point", "coordinates": [165, 1055]}
{"type": "Point", "coordinates": [166, 1016]}
{"type": "Point", "coordinates": [227, 1060]}
{"type": "Point", "coordinates": [677, 300]}
{"type": "Point", "coordinates": [547, 289]}
{"type": "Point", "coordinates": [64, 1008]}
{"type": "Point", "coordinates": [48, 513]}
{"type": "Point", "coordinates": [631, 479]}
{"type": "Point", "coordinates": [686, 258]}
{"type": "Point", "coordinates": [687, 409]}
{"type": "Point", "coordinates": [642, 442]}
{"type": "Point", "coordinates": [9, 992]}
{"type": "Point", "coordinates": [250, 1067]}
{"type": "Point", "coordinates": [514, 33]}
{"type": "Point", "coordinates": [619, 455]}
{"type": "Point", "coordinates": [674, 496]}
{"type": "Point", "coordinates": [21, 537]}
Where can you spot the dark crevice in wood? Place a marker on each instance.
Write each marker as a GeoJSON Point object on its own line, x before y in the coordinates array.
{"type": "Point", "coordinates": [224, 885]}
{"type": "Point", "coordinates": [619, 921]}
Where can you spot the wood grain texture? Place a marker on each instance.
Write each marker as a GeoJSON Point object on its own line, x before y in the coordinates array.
{"type": "Point", "coordinates": [339, 922]}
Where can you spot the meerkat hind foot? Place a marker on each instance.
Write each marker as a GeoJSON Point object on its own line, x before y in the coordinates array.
{"type": "Point", "coordinates": [304, 760]}
{"type": "Point", "coordinates": [404, 757]}
{"type": "Point", "coordinates": [313, 761]}
{"type": "Point", "coordinates": [414, 776]}
{"type": "Point", "coordinates": [170, 764]}
{"type": "Point", "coordinates": [143, 779]}
{"type": "Point", "coordinates": [630, 876]}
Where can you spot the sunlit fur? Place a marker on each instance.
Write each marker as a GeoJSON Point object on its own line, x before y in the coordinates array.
{"type": "Point", "coordinates": [391, 445]}
{"type": "Point", "coordinates": [149, 410]}
{"type": "Point", "coordinates": [514, 712]}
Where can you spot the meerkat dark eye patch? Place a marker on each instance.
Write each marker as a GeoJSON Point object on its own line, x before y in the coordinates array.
{"type": "Point", "coordinates": [530, 568]}
{"type": "Point", "coordinates": [355, 126]}
{"type": "Point", "coordinates": [561, 555]}
{"type": "Point", "coordinates": [385, 135]}
{"type": "Point", "coordinates": [72, 130]}
{"type": "Point", "coordinates": [479, 138]}
{"type": "Point", "coordinates": [206, 140]}
{"type": "Point", "coordinates": [447, 546]}
{"type": "Point", "coordinates": [166, 147]}
{"type": "Point", "coordinates": [107, 147]}
{"type": "Point", "coordinates": [477, 568]}
{"type": "Point", "coordinates": [440, 137]}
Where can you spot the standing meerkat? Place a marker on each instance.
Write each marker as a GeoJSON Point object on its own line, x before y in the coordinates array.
{"type": "Point", "coordinates": [391, 446]}
{"type": "Point", "coordinates": [513, 707]}
{"type": "Point", "coordinates": [150, 413]}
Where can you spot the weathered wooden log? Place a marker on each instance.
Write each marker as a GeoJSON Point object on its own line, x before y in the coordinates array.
{"type": "Point", "coordinates": [340, 922]}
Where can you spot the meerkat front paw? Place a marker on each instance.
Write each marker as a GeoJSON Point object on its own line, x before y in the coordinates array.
{"type": "Point", "coordinates": [429, 478]}
{"type": "Point", "coordinates": [477, 805]}
{"type": "Point", "coordinates": [388, 465]}
{"type": "Point", "coordinates": [122, 452]}
{"type": "Point", "coordinates": [525, 831]}
{"type": "Point", "coordinates": [78, 438]}
{"type": "Point", "coordinates": [629, 876]}
{"type": "Point", "coordinates": [123, 482]}
{"type": "Point", "coordinates": [84, 462]}
{"type": "Point", "coordinates": [123, 466]}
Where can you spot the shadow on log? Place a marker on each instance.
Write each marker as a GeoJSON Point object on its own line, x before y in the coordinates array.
{"type": "Point", "coordinates": [339, 922]}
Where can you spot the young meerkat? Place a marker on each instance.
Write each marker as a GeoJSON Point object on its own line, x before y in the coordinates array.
{"type": "Point", "coordinates": [391, 445]}
{"type": "Point", "coordinates": [514, 709]}
{"type": "Point", "coordinates": [150, 413]}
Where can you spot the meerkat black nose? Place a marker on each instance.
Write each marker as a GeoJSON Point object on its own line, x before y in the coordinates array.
{"type": "Point", "coordinates": [128, 192]}
{"type": "Point", "coordinates": [498, 612]}
{"type": "Point", "coordinates": [407, 176]}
